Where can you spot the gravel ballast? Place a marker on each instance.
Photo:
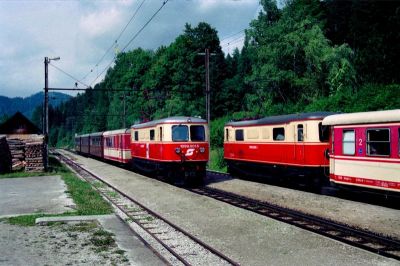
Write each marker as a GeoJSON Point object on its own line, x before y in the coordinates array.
{"type": "Point", "coordinates": [374, 218]}
{"type": "Point", "coordinates": [243, 236]}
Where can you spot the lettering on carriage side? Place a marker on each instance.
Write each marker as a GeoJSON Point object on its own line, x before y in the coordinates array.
{"type": "Point", "coordinates": [251, 147]}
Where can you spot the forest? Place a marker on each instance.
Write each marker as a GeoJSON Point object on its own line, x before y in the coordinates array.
{"type": "Point", "coordinates": [308, 55]}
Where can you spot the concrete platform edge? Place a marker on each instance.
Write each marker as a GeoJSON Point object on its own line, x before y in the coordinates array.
{"type": "Point", "coordinates": [46, 220]}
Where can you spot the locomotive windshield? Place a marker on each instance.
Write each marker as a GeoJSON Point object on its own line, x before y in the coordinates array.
{"type": "Point", "coordinates": [180, 133]}
{"type": "Point", "coordinates": [197, 133]}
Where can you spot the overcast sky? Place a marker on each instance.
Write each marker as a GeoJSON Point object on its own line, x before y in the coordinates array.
{"type": "Point", "coordinates": [80, 32]}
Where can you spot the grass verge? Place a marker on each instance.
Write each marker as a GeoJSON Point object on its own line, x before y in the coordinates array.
{"type": "Point", "coordinates": [88, 201]}
{"type": "Point", "coordinates": [217, 162]}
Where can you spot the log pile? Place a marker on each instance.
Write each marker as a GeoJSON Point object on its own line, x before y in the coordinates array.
{"type": "Point", "coordinates": [17, 149]}
{"type": "Point", "coordinates": [5, 156]}
{"type": "Point", "coordinates": [27, 153]}
{"type": "Point", "coordinates": [34, 155]}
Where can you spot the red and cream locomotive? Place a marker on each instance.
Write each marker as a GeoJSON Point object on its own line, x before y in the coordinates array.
{"type": "Point", "coordinates": [289, 145]}
{"type": "Point", "coordinates": [175, 147]}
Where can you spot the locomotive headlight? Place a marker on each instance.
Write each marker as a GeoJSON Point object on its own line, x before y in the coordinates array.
{"type": "Point", "coordinates": [202, 149]}
{"type": "Point", "coordinates": [177, 150]}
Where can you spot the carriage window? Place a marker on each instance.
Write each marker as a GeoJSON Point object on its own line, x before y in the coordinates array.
{"type": "Point", "coordinates": [160, 133]}
{"type": "Point", "coordinates": [265, 133]}
{"type": "Point", "coordinates": [108, 142]}
{"type": "Point", "coordinates": [180, 133]}
{"type": "Point", "coordinates": [349, 144]}
{"type": "Point", "coordinates": [227, 134]}
{"type": "Point", "coordinates": [197, 133]}
{"type": "Point", "coordinates": [300, 135]}
{"type": "Point", "coordinates": [378, 142]}
{"type": "Point", "coordinates": [278, 133]}
{"type": "Point", "coordinates": [136, 135]}
{"type": "Point", "coordinates": [239, 135]}
{"type": "Point", "coordinates": [323, 133]}
{"type": "Point", "coordinates": [152, 134]}
{"type": "Point", "coordinates": [252, 133]}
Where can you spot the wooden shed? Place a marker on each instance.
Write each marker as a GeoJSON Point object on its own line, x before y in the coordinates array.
{"type": "Point", "coordinates": [25, 142]}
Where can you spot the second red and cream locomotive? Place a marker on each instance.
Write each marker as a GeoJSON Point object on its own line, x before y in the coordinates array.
{"type": "Point", "coordinates": [290, 145]}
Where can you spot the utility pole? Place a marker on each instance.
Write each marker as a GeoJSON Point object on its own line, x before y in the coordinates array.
{"type": "Point", "coordinates": [123, 98]}
{"type": "Point", "coordinates": [124, 110]}
{"type": "Point", "coordinates": [46, 110]}
{"type": "Point", "coordinates": [46, 113]}
{"type": "Point", "coordinates": [207, 64]}
{"type": "Point", "coordinates": [208, 88]}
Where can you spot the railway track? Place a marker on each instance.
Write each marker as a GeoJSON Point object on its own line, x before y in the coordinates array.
{"type": "Point", "coordinates": [170, 242]}
{"type": "Point", "coordinates": [381, 245]}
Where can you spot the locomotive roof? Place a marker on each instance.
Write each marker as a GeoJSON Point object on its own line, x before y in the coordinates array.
{"type": "Point", "coordinates": [117, 131]}
{"type": "Point", "coordinates": [173, 119]}
{"type": "Point", "coordinates": [96, 134]}
{"type": "Point", "coordinates": [363, 118]}
{"type": "Point", "coordinates": [281, 119]}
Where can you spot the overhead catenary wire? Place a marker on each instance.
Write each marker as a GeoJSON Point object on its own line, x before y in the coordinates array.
{"type": "Point", "coordinates": [240, 38]}
{"type": "Point", "coordinates": [232, 35]}
{"type": "Point", "coordinates": [69, 75]}
{"type": "Point", "coordinates": [116, 40]}
{"type": "Point", "coordinates": [131, 40]}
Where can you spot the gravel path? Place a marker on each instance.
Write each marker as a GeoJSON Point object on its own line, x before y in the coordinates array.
{"type": "Point", "coordinates": [59, 244]}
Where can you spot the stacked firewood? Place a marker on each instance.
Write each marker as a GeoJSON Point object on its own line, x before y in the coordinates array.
{"type": "Point", "coordinates": [34, 155]}
{"type": "Point", "coordinates": [5, 156]}
{"type": "Point", "coordinates": [17, 149]}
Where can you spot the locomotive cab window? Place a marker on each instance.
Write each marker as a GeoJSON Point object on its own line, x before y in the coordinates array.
{"type": "Point", "coordinates": [378, 142]}
{"type": "Point", "coordinates": [278, 133]}
{"type": "Point", "coordinates": [239, 135]}
{"type": "Point", "coordinates": [349, 142]}
{"type": "Point", "coordinates": [180, 133]}
{"type": "Point", "coordinates": [197, 133]}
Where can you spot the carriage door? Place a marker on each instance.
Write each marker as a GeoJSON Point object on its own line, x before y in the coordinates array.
{"type": "Point", "coordinates": [120, 146]}
{"type": "Point", "coordinates": [299, 143]}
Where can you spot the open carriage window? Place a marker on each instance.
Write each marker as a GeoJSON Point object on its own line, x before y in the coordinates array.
{"type": "Point", "coordinates": [378, 142]}
{"type": "Point", "coordinates": [278, 133]}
